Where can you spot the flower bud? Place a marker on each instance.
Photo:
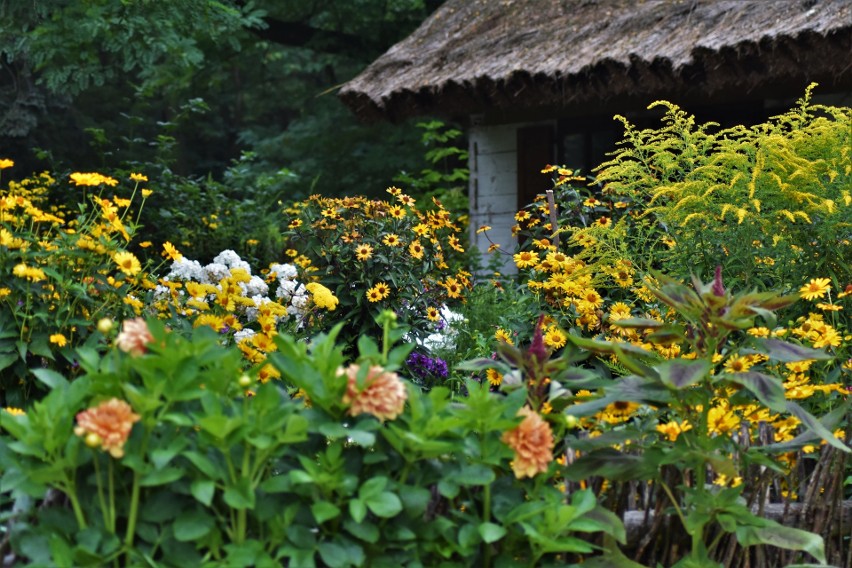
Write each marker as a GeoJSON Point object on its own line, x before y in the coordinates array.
{"type": "Point", "coordinates": [244, 381]}
{"type": "Point", "coordinates": [571, 421]}
{"type": "Point", "coordinates": [93, 440]}
{"type": "Point", "coordinates": [104, 325]}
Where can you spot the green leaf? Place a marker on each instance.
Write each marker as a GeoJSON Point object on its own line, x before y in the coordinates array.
{"type": "Point", "coordinates": [788, 352]}
{"type": "Point", "coordinates": [50, 378]}
{"type": "Point", "coordinates": [193, 525]}
{"type": "Point", "coordinates": [491, 532]}
{"type": "Point", "coordinates": [811, 423]}
{"type": "Point", "coordinates": [385, 504]}
{"type": "Point", "coordinates": [203, 490]}
{"type": "Point", "coordinates": [333, 555]}
{"type": "Point", "coordinates": [775, 534]}
{"type": "Point", "coordinates": [768, 390]}
{"type": "Point", "coordinates": [367, 532]}
{"type": "Point", "coordinates": [161, 476]}
{"type": "Point", "coordinates": [681, 373]}
{"type": "Point", "coordinates": [219, 426]}
{"type": "Point", "coordinates": [323, 511]}
{"type": "Point", "coordinates": [240, 495]}
{"type": "Point", "coordinates": [357, 510]}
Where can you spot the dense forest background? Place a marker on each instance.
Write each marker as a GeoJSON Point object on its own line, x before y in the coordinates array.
{"type": "Point", "coordinates": [212, 89]}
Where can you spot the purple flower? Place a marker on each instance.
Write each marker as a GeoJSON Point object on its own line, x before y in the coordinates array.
{"type": "Point", "coordinates": [425, 367]}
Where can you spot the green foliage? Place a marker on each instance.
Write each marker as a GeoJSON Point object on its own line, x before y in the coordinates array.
{"type": "Point", "coordinates": [219, 468]}
{"type": "Point", "coordinates": [770, 203]}
{"type": "Point", "coordinates": [62, 270]}
{"type": "Point", "coordinates": [375, 255]}
{"type": "Point", "coordinates": [691, 404]}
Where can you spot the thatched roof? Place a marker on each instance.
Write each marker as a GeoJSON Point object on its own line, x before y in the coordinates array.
{"type": "Point", "coordinates": [475, 55]}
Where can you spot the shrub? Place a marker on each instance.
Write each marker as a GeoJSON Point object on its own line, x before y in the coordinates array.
{"type": "Point", "coordinates": [178, 457]}
{"type": "Point", "coordinates": [378, 254]}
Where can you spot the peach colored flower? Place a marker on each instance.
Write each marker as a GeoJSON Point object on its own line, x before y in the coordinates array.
{"type": "Point", "coordinates": [383, 394]}
{"type": "Point", "coordinates": [107, 425]}
{"type": "Point", "coordinates": [532, 441]}
{"type": "Point", "coordinates": [134, 337]}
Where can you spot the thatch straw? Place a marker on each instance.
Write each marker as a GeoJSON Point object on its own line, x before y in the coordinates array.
{"type": "Point", "coordinates": [473, 55]}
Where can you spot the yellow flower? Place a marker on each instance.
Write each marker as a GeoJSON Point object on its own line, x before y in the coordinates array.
{"type": "Point", "coordinates": [146, 193]}
{"type": "Point", "coordinates": [453, 287]}
{"type": "Point", "coordinates": [816, 288]}
{"type": "Point", "coordinates": [494, 377]}
{"type": "Point", "coordinates": [483, 229]}
{"type": "Point", "coordinates": [92, 179]}
{"type": "Point", "coordinates": [526, 259]}
{"type": "Point", "coordinates": [378, 292]}
{"type": "Point", "coordinates": [322, 296]}
{"type": "Point", "coordinates": [107, 425]}
{"type": "Point", "coordinates": [59, 339]}
{"type": "Point", "coordinates": [721, 420]}
{"type": "Point", "coordinates": [28, 272]}
{"type": "Point", "coordinates": [5, 292]}
{"type": "Point", "coordinates": [532, 442]}
{"type": "Point", "coordinates": [138, 177]}
{"type": "Point", "coordinates": [829, 307]}
{"type": "Point", "coordinates": [618, 411]}
{"type": "Point", "coordinates": [415, 249]}
{"type": "Point", "coordinates": [503, 335]}
{"type": "Point", "coordinates": [6, 163]}
{"type": "Point", "coordinates": [392, 240]}
{"type": "Point", "coordinates": [737, 364]}
{"type": "Point", "coordinates": [671, 430]}
{"type": "Point", "coordinates": [170, 251]}
{"type": "Point", "coordinates": [363, 252]}
{"type": "Point", "coordinates": [127, 263]}
{"type": "Point", "coordinates": [433, 314]}
{"type": "Point", "coordinates": [13, 410]}
{"type": "Point", "coordinates": [555, 338]}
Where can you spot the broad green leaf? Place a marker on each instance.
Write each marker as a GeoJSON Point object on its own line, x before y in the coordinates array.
{"type": "Point", "coordinates": [323, 511]}
{"type": "Point", "coordinates": [161, 476]}
{"type": "Point", "coordinates": [357, 510]}
{"type": "Point", "coordinates": [385, 504]}
{"type": "Point", "coordinates": [811, 423]}
{"type": "Point", "coordinates": [491, 532]}
{"type": "Point", "coordinates": [368, 532]}
{"type": "Point", "coordinates": [193, 525]}
{"type": "Point", "coordinates": [788, 352]}
{"type": "Point", "coordinates": [203, 490]}
{"type": "Point", "coordinates": [240, 495]}
{"type": "Point", "coordinates": [681, 373]}
{"type": "Point", "coordinates": [768, 390]}
{"type": "Point", "coordinates": [783, 537]}
{"type": "Point", "coordinates": [50, 378]}
{"type": "Point", "coordinates": [830, 422]}
{"type": "Point", "coordinates": [219, 426]}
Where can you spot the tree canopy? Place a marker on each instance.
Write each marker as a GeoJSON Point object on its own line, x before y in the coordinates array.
{"type": "Point", "coordinates": [197, 84]}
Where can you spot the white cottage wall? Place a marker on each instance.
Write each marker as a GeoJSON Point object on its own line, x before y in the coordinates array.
{"type": "Point", "coordinates": [493, 162]}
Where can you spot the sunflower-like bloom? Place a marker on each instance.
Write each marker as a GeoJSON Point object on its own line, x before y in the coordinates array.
{"type": "Point", "coordinates": [532, 441]}
{"type": "Point", "coordinates": [322, 296]}
{"type": "Point", "coordinates": [92, 179]}
{"type": "Point", "coordinates": [107, 426]}
{"type": "Point", "coordinates": [127, 263]}
{"type": "Point", "coordinates": [134, 337]}
{"type": "Point", "coordinates": [816, 288]}
{"type": "Point", "coordinates": [383, 393]}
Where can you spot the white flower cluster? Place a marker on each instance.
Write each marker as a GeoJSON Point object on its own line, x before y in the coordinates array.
{"type": "Point", "coordinates": [289, 293]}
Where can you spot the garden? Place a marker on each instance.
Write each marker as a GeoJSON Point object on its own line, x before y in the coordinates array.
{"type": "Point", "coordinates": [194, 374]}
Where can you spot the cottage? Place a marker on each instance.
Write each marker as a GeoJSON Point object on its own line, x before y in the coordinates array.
{"type": "Point", "coordinates": [538, 81]}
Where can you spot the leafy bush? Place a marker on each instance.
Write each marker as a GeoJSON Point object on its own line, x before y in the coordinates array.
{"type": "Point", "coordinates": [62, 270]}
{"type": "Point", "coordinates": [378, 254]}
{"type": "Point", "coordinates": [178, 457]}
